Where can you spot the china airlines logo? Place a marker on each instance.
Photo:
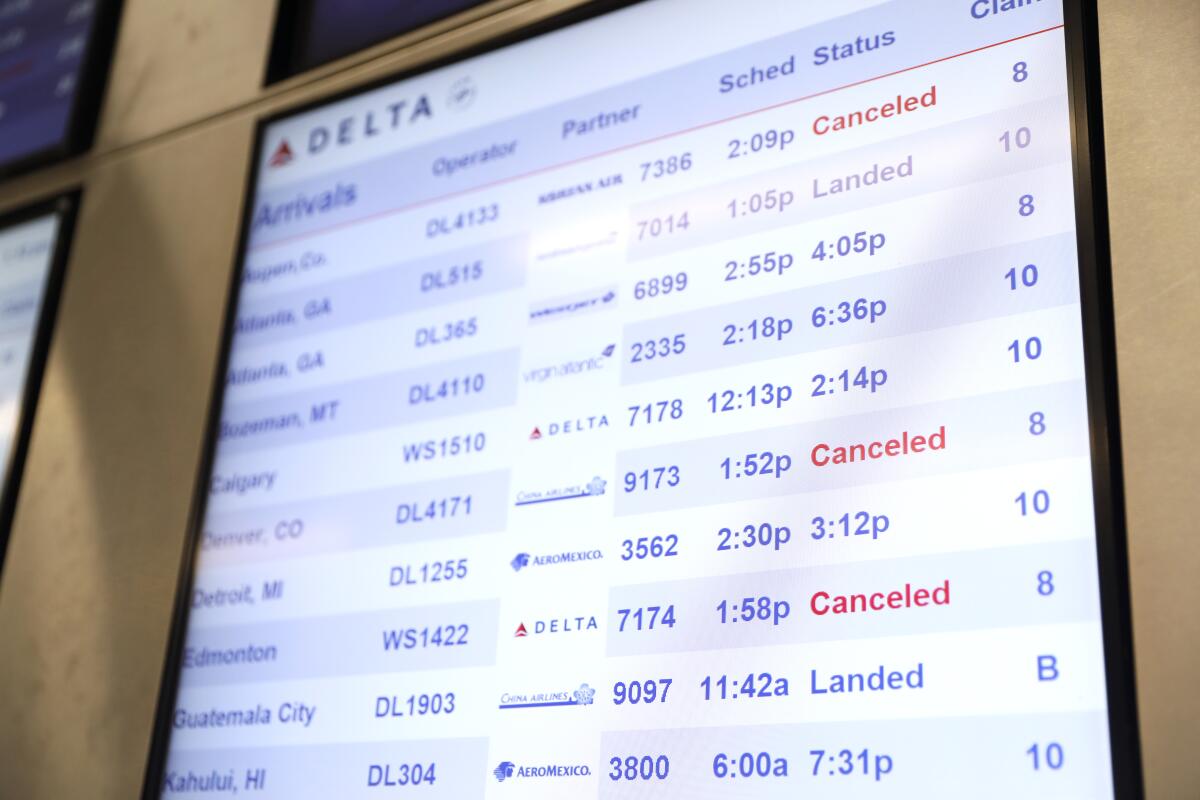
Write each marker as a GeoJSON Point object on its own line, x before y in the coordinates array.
{"type": "Point", "coordinates": [583, 696]}
{"type": "Point", "coordinates": [283, 155]}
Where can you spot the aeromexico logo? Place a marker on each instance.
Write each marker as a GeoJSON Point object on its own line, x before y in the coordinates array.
{"type": "Point", "coordinates": [353, 129]}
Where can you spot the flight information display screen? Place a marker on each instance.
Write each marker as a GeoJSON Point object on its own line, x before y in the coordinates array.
{"type": "Point", "coordinates": [627, 415]}
{"type": "Point", "coordinates": [53, 56]}
{"type": "Point", "coordinates": [29, 249]}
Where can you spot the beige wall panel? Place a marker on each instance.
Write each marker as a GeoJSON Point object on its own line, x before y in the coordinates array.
{"type": "Point", "coordinates": [1151, 73]}
{"type": "Point", "coordinates": [90, 578]}
{"type": "Point", "coordinates": [180, 61]}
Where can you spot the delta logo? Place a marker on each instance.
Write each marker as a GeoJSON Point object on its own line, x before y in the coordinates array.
{"type": "Point", "coordinates": [594, 488]}
{"type": "Point", "coordinates": [508, 770]}
{"type": "Point", "coordinates": [525, 560]}
{"type": "Point", "coordinates": [568, 426]}
{"type": "Point", "coordinates": [583, 696]}
{"type": "Point", "coordinates": [551, 627]}
{"type": "Point", "coordinates": [283, 155]}
{"type": "Point", "coordinates": [570, 367]}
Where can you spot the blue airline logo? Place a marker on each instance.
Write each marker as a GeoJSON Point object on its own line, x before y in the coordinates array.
{"type": "Point", "coordinates": [524, 560]}
{"type": "Point", "coordinates": [353, 128]}
{"type": "Point", "coordinates": [569, 426]}
{"type": "Point", "coordinates": [283, 155]}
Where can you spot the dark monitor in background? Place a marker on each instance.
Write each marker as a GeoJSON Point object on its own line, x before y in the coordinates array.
{"type": "Point", "coordinates": [727, 412]}
{"type": "Point", "coordinates": [34, 242]}
{"type": "Point", "coordinates": [54, 58]}
{"type": "Point", "coordinates": [309, 33]}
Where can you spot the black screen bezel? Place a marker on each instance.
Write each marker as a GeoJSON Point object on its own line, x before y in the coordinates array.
{"type": "Point", "coordinates": [1095, 273]}
{"type": "Point", "coordinates": [66, 207]}
{"type": "Point", "coordinates": [293, 32]}
{"type": "Point", "coordinates": [94, 70]}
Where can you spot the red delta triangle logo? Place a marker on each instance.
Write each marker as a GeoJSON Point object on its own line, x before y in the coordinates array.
{"type": "Point", "coordinates": [544, 627]}
{"type": "Point", "coordinates": [282, 156]}
{"type": "Point", "coordinates": [537, 434]}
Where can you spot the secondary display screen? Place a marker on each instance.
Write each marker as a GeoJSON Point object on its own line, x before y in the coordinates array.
{"type": "Point", "coordinates": [686, 403]}
{"type": "Point", "coordinates": [46, 50]}
{"type": "Point", "coordinates": [28, 250]}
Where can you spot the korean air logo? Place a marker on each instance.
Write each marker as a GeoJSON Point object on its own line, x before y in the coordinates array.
{"type": "Point", "coordinates": [283, 155]}
{"type": "Point", "coordinates": [504, 770]}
